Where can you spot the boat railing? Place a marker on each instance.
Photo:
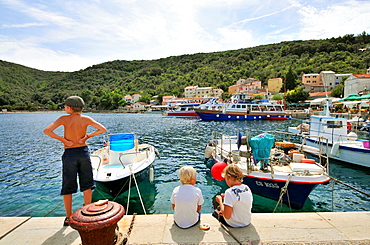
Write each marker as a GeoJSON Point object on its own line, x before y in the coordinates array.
{"type": "Point", "coordinates": [226, 140]}
{"type": "Point", "coordinates": [322, 142]}
{"type": "Point", "coordinates": [100, 159]}
{"type": "Point", "coordinates": [138, 156]}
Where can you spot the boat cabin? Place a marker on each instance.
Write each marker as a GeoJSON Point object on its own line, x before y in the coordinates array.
{"type": "Point", "coordinates": [256, 107]}
{"type": "Point", "coordinates": [333, 129]}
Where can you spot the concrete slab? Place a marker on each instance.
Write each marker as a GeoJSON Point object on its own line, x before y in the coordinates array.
{"type": "Point", "coordinates": [147, 229]}
{"type": "Point", "coordinates": [7, 224]}
{"type": "Point", "coordinates": [294, 227]}
{"type": "Point", "coordinates": [45, 231]}
{"type": "Point", "coordinates": [194, 235]}
{"type": "Point", "coordinates": [281, 228]}
{"type": "Point", "coordinates": [354, 225]}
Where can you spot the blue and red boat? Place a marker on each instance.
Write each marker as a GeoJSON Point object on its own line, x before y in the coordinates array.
{"type": "Point", "coordinates": [267, 170]}
{"type": "Point", "coordinates": [236, 109]}
{"type": "Point", "coordinates": [183, 110]}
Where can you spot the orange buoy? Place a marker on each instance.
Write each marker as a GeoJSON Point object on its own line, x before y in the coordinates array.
{"type": "Point", "coordinates": [306, 160]}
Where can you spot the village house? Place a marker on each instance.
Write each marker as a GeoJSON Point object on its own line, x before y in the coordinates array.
{"type": "Point", "coordinates": [274, 85]}
{"type": "Point", "coordinates": [132, 98]}
{"type": "Point", "coordinates": [201, 92]}
{"type": "Point", "coordinates": [321, 82]}
{"type": "Point", "coordinates": [357, 84]}
{"type": "Point", "coordinates": [245, 86]}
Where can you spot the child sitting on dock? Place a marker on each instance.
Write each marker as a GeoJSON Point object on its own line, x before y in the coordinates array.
{"type": "Point", "coordinates": [235, 206]}
{"type": "Point", "coordinates": [76, 157]}
{"type": "Point", "coordinates": [186, 199]}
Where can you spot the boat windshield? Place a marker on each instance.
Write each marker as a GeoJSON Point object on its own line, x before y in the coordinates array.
{"type": "Point", "coordinates": [334, 124]}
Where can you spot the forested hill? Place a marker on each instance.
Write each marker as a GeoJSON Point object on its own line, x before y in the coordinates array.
{"type": "Point", "coordinates": [103, 85]}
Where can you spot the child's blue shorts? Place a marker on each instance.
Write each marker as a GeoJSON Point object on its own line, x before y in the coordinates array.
{"type": "Point", "coordinates": [76, 162]}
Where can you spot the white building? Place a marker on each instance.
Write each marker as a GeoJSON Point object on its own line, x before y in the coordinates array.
{"type": "Point", "coordinates": [357, 83]}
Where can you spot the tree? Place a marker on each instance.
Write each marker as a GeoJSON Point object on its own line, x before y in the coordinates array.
{"type": "Point", "coordinates": [297, 95]}
{"type": "Point", "coordinates": [338, 91]}
{"type": "Point", "coordinates": [277, 97]}
{"type": "Point", "coordinates": [290, 79]}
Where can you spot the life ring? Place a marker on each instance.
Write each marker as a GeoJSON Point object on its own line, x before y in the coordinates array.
{"type": "Point", "coordinates": [349, 127]}
{"type": "Point", "coordinates": [235, 101]}
{"type": "Point", "coordinates": [204, 227]}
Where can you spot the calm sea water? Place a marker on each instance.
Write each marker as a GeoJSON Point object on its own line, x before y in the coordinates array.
{"type": "Point", "coordinates": [30, 165]}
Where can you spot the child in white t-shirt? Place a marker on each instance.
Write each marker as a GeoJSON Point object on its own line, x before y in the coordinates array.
{"type": "Point", "coordinates": [186, 199]}
{"type": "Point", "coordinates": [235, 208]}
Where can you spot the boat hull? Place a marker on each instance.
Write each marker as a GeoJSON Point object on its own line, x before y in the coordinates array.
{"type": "Point", "coordinates": [181, 114]}
{"type": "Point", "coordinates": [353, 155]}
{"type": "Point", "coordinates": [117, 187]}
{"type": "Point", "coordinates": [234, 116]}
{"type": "Point", "coordinates": [297, 192]}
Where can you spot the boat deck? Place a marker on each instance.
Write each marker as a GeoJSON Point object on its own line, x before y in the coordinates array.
{"type": "Point", "coordinates": [266, 228]}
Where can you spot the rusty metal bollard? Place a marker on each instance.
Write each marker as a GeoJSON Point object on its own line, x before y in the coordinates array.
{"type": "Point", "coordinates": [96, 223]}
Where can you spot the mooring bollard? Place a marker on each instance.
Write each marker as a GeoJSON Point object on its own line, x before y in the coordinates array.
{"type": "Point", "coordinates": [96, 223]}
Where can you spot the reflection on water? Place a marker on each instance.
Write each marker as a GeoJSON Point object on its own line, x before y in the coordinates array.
{"type": "Point", "coordinates": [30, 165]}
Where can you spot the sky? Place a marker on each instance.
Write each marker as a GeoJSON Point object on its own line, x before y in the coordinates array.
{"type": "Point", "coordinates": [65, 35]}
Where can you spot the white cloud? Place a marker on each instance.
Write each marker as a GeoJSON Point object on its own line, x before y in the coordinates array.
{"type": "Point", "coordinates": [352, 17]}
{"type": "Point", "coordinates": [30, 55]}
{"type": "Point", "coordinates": [71, 35]}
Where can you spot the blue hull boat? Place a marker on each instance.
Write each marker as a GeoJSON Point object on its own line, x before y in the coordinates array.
{"type": "Point", "coordinates": [268, 170]}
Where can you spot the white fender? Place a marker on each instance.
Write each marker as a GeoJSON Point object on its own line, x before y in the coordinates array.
{"type": "Point", "coordinates": [208, 151]}
{"type": "Point", "coordinates": [335, 149]}
{"type": "Point", "coordinates": [151, 174]}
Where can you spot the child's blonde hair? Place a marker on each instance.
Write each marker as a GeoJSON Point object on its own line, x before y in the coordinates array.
{"type": "Point", "coordinates": [233, 171]}
{"type": "Point", "coordinates": [186, 173]}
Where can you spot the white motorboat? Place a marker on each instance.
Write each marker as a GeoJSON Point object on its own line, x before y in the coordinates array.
{"type": "Point", "coordinates": [121, 159]}
{"type": "Point", "coordinates": [333, 137]}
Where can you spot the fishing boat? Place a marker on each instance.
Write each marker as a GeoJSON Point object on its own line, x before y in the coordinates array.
{"type": "Point", "coordinates": [183, 110]}
{"type": "Point", "coordinates": [340, 143]}
{"type": "Point", "coordinates": [123, 161]}
{"type": "Point", "coordinates": [237, 109]}
{"type": "Point", "coordinates": [268, 169]}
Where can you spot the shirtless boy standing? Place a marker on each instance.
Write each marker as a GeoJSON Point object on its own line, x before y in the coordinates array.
{"type": "Point", "coordinates": [76, 157]}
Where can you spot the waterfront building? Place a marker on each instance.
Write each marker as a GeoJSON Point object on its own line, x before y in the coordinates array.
{"type": "Point", "coordinates": [321, 82]}
{"type": "Point", "coordinates": [198, 92]}
{"type": "Point", "coordinates": [357, 84]}
{"type": "Point", "coordinates": [245, 86]}
{"type": "Point", "coordinates": [274, 85]}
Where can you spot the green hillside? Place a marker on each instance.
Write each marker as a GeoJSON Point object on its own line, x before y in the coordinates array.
{"type": "Point", "coordinates": [103, 85]}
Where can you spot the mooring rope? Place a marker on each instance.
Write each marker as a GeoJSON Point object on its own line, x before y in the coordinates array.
{"type": "Point", "coordinates": [129, 195]}
{"type": "Point", "coordinates": [138, 191]}
{"type": "Point", "coordinates": [354, 188]}
{"type": "Point", "coordinates": [284, 190]}
{"type": "Point", "coordinates": [132, 175]}
{"type": "Point", "coordinates": [54, 208]}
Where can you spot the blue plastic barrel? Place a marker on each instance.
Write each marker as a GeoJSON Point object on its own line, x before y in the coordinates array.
{"type": "Point", "coordinates": [121, 142]}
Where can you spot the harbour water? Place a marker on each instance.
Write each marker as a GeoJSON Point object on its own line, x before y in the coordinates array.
{"type": "Point", "coordinates": [30, 165]}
